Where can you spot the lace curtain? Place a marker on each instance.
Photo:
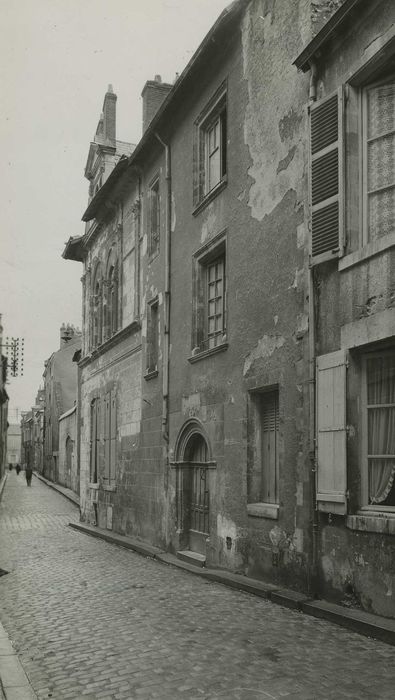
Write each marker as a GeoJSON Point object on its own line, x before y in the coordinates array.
{"type": "Point", "coordinates": [381, 429]}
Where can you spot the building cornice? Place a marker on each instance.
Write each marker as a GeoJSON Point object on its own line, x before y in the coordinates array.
{"type": "Point", "coordinates": [131, 329]}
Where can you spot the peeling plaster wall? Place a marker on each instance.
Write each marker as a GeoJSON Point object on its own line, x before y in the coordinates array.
{"type": "Point", "coordinates": [262, 211]}
{"type": "Point", "coordinates": [355, 309]}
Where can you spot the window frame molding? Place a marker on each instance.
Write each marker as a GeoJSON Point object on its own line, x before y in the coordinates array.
{"type": "Point", "coordinates": [364, 208]}
{"type": "Point", "coordinates": [365, 508]}
{"type": "Point", "coordinates": [263, 509]}
{"type": "Point", "coordinates": [151, 372]}
{"type": "Point", "coordinates": [153, 186]}
{"type": "Point", "coordinates": [213, 249]}
{"type": "Point", "coordinates": [215, 107]}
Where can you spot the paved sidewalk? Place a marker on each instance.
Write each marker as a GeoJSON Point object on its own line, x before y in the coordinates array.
{"type": "Point", "coordinates": [90, 620]}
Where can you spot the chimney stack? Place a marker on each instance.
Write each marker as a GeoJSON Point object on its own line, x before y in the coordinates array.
{"type": "Point", "coordinates": [109, 117]}
{"type": "Point", "coordinates": [153, 94]}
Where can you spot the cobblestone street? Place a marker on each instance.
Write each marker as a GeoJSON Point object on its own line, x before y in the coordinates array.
{"type": "Point", "coordinates": [92, 620]}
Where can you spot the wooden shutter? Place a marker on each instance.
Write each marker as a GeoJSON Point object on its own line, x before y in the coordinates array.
{"type": "Point", "coordinates": [326, 177]}
{"type": "Point", "coordinates": [270, 420]}
{"type": "Point", "coordinates": [93, 445]}
{"type": "Point", "coordinates": [107, 412]}
{"type": "Point", "coordinates": [113, 434]}
{"type": "Point", "coordinates": [331, 433]}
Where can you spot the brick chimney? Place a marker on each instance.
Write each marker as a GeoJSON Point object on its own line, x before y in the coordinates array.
{"type": "Point", "coordinates": [109, 116]}
{"type": "Point", "coordinates": [153, 94]}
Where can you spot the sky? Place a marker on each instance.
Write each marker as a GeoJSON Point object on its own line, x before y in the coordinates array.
{"type": "Point", "coordinates": [57, 58]}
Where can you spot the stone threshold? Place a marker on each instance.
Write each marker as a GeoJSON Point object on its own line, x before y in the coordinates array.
{"type": "Point", "coordinates": [359, 621]}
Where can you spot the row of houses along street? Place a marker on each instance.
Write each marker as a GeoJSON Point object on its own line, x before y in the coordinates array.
{"type": "Point", "coordinates": [231, 397]}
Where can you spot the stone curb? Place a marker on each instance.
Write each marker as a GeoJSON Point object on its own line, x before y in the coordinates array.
{"type": "Point", "coordinates": [358, 621]}
{"type": "Point", "coordinates": [14, 683]}
{"type": "Point", "coordinates": [67, 493]}
{"type": "Point", "coordinates": [2, 485]}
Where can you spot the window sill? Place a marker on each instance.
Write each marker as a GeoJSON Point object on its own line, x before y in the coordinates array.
{"type": "Point", "coordinates": [94, 486]}
{"type": "Point", "coordinates": [210, 196]}
{"type": "Point", "coordinates": [207, 353]}
{"type": "Point", "coordinates": [151, 374]}
{"type": "Point", "coordinates": [368, 251]}
{"type": "Point", "coordinates": [263, 510]}
{"type": "Point", "coordinates": [372, 521]}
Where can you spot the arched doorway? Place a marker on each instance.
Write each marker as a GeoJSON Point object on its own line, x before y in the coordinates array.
{"type": "Point", "coordinates": [193, 493]}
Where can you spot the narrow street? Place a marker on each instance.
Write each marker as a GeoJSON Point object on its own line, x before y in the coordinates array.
{"type": "Point", "coordinates": [92, 620]}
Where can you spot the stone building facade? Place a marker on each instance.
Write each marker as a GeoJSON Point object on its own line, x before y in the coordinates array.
{"type": "Point", "coordinates": [13, 444]}
{"type": "Point", "coordinates": [205, 306]}
{"type": "Point", "coordinates": [68, 474]}
{"type": "Point", "coordinates": [60, 394]}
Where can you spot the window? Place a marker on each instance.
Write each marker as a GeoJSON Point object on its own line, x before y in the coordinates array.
{"type": "Point", "coordinates": [154, 218]}
{"type": "Point", "coordinates": [209, 297]}
{"type": "Point", "coordinates": [112, 300]}
{"type": "Point", "coordinates": [152, 337]}
{"type": "Point", "coordinates": [110, 437]}
{"type": "Point", "coordinates": [215, 307]}
{"type": "Point", "coordinates": [378, 430]}
{"type": "Point", "coordinates": [94, 440]}
{"type": "Point", "coordinates": [210, 157]}
{"type": "Point", "coordinates": [263, 472]}
{"type": "Point", "coordinates": [96, 310]}
{"type": "Point", "coordinates": [379, 160]}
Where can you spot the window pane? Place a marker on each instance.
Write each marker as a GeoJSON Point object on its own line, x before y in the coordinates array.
{"type": "Point", "coordinates": [381, 162]}
{"type": "Point", "coordinates": [381, 431]}
{"type": "Point", "coordinates": [381, 481]}
{"type": "Point", "coordinates": [214, 174]}
{"type": "Point", "coordinates": [381, 109]}
{"type": "Point", "coordinates": [381, 214]}
{"type": "Point", "coordinates": [381, 379]}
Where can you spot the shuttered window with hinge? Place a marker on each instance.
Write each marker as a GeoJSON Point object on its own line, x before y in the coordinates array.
{"type": "Point", "coordinates": [326, 177]}
{"type": "Point", "coordinates": [331, 433]}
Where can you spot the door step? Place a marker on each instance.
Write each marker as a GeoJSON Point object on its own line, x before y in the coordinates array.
{"type": "Point", "coordinates": [192, 558]}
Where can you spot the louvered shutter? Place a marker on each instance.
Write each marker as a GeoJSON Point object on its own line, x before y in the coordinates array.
{"type": "Point", "coordinates": [326, 177]}
{"type": "Point", "coordinates": [331, 433]}
{"type": "Point", "coordinates": [113, 435]}
{"type": "Point", "coordinates": [270, 418]}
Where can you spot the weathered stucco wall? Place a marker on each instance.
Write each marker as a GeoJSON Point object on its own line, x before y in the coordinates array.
{"type": "Point", "coordinates": [355, 309]}
{"type": "Point", "coordinates": [262, 210]}
{"type": "Point", "coordinates": [68, 467]}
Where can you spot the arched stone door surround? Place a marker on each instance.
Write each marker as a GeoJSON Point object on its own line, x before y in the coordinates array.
{"type": "Point", "coordinates": [193, 464]}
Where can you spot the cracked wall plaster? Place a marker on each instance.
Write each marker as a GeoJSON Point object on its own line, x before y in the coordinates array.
{"type": "Point", "coordinates": [279, 165]}
{"type": "Point", "coordinates": [265, 348]}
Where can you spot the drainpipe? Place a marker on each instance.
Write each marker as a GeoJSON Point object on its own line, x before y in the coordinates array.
{"type": "Point", "coordinates": [166, 338]}
{"type": "Point", "coordinates": [312, 388]}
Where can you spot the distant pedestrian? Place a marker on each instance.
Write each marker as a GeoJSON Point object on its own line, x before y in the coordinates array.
{"type": "Point", "coordinates": [18, 469]}
{"type": "Point", "coordinates": [10, 466]}
{"type": "Point", "coordinates": [29, 474]}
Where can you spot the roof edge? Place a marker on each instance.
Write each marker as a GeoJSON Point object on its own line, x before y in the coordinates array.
{"type": "Point", "coordinates": [302, 62]}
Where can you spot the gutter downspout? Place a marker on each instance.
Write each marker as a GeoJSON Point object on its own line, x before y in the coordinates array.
{"type": "Point", "coordinates": [166, 338]}
{"type": "Point", "coordinates": [313, 583]}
